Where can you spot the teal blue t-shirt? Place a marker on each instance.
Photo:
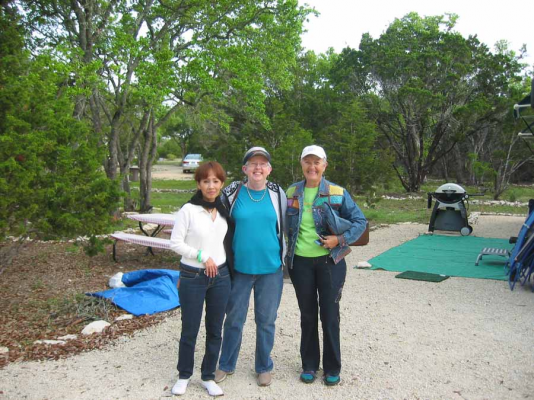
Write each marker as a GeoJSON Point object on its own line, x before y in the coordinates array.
{"type": "Point", "coordinates": [256, 246]}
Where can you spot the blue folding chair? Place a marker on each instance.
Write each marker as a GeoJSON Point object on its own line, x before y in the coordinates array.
{"type": "Point", "coordinates": [521, 262]}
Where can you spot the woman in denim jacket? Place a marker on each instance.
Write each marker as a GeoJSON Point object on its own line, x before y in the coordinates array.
{"type": "Point", "coordinates": [315, 258]}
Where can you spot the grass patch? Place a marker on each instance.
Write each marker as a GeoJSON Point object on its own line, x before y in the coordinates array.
{"type": "Point", "coordinates": [170, 202]}
{"type": "Point", "coordinates": [165, 202]}
{"type": "Point", "coordinates": [513, 193]}
{"type": "Point", "coordinates": [37, 285]}
{"type": "Point", "coordinates": [177, 162]}
{"type": "Point", "coordinates": [498, 208]}
{"type": "Point", "coordinates": [386, 211]}
{"type": "Point", "coordinates": [79, 307]}
{"type": "Point", "coordinates": [382, 211]}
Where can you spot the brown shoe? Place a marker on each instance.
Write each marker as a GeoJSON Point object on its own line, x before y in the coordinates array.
{"type": "Point", "coordinates": [221, 375]}
{"type": "Point", "coordinates": [264, 379]}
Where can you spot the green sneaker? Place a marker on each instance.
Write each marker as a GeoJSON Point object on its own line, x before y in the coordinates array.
{"type": "Point", "coordinates": [307, 376]}
{"type": "Point", "coordinates": [331, 380]}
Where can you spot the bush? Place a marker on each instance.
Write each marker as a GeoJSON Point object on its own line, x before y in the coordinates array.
{"type": "Point", "coordinates": [51, 181]}
{"type": "Point", "coordinates": [169, 148]}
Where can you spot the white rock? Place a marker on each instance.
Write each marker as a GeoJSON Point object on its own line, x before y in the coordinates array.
{"type": "Point", "coordinates": [4, 350]}
{"type": "Point", "coordinates": [49, 342]}
{"type": "Point", "coordinates": [363, 264]}
{"type": "Point", "coordinates": [95, 327]}
{"type": "Point", "coordinates": [68, 337]}
{"type": "Point", "coordinates": [123, 317]}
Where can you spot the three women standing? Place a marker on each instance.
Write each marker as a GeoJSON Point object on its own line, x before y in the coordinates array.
{"type": "Point", "coordinates": [202, 235]}
{"type": "Point", "coordinates": [315, 258]}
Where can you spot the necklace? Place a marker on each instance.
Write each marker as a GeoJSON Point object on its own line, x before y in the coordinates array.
{"type": "Point", "coordinates": [256, 200]}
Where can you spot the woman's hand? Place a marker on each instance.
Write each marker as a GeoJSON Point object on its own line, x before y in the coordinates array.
{"type": "Point", "coordinates": [330, 241]}
{"type": "Point", "coordinates": [211, 268]}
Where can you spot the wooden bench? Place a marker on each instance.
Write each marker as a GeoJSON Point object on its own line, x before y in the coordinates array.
{"type": "Point", "coordinates": [141, 240]}
{"type": "Point", "coordinates": [492, 251]}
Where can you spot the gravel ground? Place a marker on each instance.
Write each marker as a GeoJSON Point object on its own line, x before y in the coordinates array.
{"type": "Point", "coordinates": [169, 171]}
{"type": "Point", "coordinates": [401, 339]}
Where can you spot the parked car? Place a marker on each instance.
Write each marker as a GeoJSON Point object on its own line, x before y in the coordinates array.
{"type": "Point", "coordinates": [191, 162]}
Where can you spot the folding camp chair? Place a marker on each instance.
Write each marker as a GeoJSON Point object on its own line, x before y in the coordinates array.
{"type": "Point", "coordinates": [521, 261]}
{"type": "Point", "coordinates": [492, 251]}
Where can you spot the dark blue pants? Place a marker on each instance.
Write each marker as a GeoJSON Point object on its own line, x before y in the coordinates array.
{"type": "Point", "coordinates": [318, 284]}
{"type": "Point", "coordinates": [195, 290]}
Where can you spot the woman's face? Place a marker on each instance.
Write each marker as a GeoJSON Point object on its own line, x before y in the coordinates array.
{"type": "Point", "coordinates": [257, 169]}
{"type": "Point", "coordinates": [210, 187]}
{"type": "Point", "coordinates": [313, 168]}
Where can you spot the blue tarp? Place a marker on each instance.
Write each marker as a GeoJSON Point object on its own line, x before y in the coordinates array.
{"type": "Point", "coordinates": [148, 291]}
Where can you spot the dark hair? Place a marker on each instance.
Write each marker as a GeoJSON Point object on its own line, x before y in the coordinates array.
{"type": "Point", "coordinates": [204, 169]}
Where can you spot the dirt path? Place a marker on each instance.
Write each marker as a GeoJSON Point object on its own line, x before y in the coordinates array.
{"type": "Point", "coordinates": [163, 172]}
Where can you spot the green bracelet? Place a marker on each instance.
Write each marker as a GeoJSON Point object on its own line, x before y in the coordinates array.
{"type": "Point", "coordinates": [199, 256]}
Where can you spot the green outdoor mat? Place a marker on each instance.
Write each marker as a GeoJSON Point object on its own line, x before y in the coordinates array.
{"type": "Point", "coordinates": [421, 276]}
{"type": "Point", "coordinates": [445, 255]}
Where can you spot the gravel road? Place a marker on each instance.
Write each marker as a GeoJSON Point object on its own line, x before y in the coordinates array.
{"type": "Point", "coordinates": [401, 339]}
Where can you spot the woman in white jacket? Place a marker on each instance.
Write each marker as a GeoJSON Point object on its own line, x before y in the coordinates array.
{"type": "Point", "coordinates": [201, 230]}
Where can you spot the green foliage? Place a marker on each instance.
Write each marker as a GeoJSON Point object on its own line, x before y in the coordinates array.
{"type": "Point", "coordinates": [51, 185]}
{"type": "Point", "coordinates": [482, 171]}
{"type": "Point", "coordinates": [353, 158]}
{"type": "Point", "coordinates": [169, 148]}
{"type": "Point", "coordinates": [95, 245]}
{"type": "Point", "coordinates": [512, 196]}
{"type": "Point", "coordinates": [428, 88]}
{"type": "Point", "coordinates": [313, 112]}
{"type": "Point", "coordinates": [286, 158]}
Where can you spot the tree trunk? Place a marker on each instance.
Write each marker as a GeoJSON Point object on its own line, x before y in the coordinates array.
{"type": "Point", "coordinates": [147, 154]}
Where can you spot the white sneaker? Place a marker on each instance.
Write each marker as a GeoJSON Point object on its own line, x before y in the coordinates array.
{"type": "Point", "coordinates": [180, 387]}
{"type": "Point", "coordinates": [213, 388]}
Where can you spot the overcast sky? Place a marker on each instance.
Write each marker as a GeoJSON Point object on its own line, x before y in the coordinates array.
{"type": "Point", "coordinates": [341, 23]}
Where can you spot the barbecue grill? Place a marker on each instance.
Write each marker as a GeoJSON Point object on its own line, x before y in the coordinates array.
{"type": "Point", "coordinates": [450, 212]}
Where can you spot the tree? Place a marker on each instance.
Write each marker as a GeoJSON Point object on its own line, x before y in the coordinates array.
{"type": "Point", "coordinates": [51, 185]}
{"type": "Point", "coordinates": [159, 57]}
{"type": "Point", "coordinates": [326, 116]}
{"type": "Point", "coordinates": [428, 89]}
{"type": "Point", "coordinates": [353, 155]}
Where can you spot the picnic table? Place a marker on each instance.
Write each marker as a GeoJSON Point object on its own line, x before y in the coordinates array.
{"type": "Point", "coordinates": [162, 220]}
{"type": "Point", "coordinates": [147, 239]}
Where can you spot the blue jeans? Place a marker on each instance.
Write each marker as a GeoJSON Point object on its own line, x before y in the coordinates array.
{"type": "Point", "coordinates": [195, 289]}
{"type": "Point", "coordinates": [267, 296]}
{"type": "Point", "coordinates": [318, 284]}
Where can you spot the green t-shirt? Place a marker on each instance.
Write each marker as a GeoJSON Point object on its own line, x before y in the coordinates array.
{"type": "Point", "coordinates": [306, 246]}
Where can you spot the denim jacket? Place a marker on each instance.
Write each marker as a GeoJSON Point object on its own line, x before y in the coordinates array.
{"type": "Point", "coordinates": [341, 203]}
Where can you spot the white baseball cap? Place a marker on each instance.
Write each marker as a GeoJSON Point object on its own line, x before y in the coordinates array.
{"type": "Point", "coordinates": [313, 150]}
